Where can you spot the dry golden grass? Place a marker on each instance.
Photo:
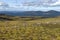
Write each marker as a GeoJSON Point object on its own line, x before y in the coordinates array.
{"type": "Point", "coordinates": [40, 29]}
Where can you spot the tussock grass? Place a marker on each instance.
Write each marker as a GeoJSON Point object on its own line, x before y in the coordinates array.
{"type": "Point", "coordinates": [27, 29]}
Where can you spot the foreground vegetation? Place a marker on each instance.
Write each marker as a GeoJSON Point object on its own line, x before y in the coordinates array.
{"type": "Point", "coordinates": [26, 28]}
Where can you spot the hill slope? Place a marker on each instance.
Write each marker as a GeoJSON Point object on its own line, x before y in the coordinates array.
{"type": "Point", "coordinates": [32, 13]}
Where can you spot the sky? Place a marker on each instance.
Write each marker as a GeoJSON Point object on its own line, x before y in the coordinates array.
{"type": "Point", "coordinates": [29, 5]}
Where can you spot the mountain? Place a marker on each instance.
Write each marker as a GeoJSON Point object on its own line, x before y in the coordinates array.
{"type": "Point", "coordinates": [50, 13]}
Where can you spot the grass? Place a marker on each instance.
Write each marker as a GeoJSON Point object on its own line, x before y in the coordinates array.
{"type": "Point", "coordinates": [30, 29]}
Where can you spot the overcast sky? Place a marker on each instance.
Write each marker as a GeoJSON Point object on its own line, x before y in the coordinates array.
{"type": "Point", "coordinates": [30, 5]}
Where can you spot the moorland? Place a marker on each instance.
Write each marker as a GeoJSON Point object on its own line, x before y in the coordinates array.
{"type": "Point", "coordinates": [29, 28]}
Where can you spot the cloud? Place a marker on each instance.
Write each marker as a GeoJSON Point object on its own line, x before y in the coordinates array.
{"type": "Point", "coordinates": [56, 3]}
{"type": "Point", "coordinates": [41, 3]}
{"type": "Point", "coordinates": [30, 5]}
{"type": "Point", "coordinates": [3, 4]}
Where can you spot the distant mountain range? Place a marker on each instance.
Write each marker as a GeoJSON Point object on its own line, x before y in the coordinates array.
{"type": "Point", "coordinates": [50, 13]}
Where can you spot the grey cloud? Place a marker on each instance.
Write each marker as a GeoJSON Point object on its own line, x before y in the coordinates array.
{"type": "Point", "coordinates": [4, 5]}
{"type": "Point", "coordinates": [39, 3]}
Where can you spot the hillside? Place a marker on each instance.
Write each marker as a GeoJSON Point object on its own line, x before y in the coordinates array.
{"type": "Point", "coordinates": [50, 13]}
{"type": "Point", "coordinates": [4, 17]}
{"type": "Point", "coordinates": [29, 28]}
